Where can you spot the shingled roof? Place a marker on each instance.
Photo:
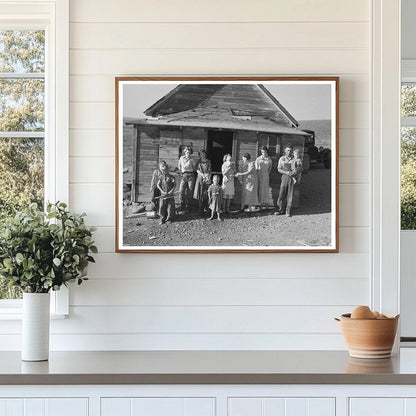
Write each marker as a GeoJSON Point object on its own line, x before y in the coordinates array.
{"type": "Point", "coordinates": [228, 106]}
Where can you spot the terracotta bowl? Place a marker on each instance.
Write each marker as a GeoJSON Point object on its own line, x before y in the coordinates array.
{"type": "Point", "coordinates": [369, 338]}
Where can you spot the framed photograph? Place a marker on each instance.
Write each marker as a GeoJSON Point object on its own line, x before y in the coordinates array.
{"type": "Point", "coordinates": [230, 164]}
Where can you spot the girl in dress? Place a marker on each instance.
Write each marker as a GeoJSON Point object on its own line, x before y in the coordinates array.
{"type": "Point", "coordinates": [215, 197]}
{"type": "Point", "coordinates": [228, 171]}
{"type": "Point", "coordinates": [203, 181]}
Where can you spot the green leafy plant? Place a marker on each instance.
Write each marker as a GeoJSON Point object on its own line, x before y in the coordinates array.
{"type": "Point", "coordinates": [43, 251]}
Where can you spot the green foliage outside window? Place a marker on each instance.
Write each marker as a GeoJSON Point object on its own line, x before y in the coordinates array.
{"type": "Point", "coordinates": [408, 160]}
{"type": "Point", "coordinates": [21, 110]}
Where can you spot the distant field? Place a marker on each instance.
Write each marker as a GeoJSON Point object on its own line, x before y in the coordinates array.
{"type": "Point", "coordinates": [322, 129]}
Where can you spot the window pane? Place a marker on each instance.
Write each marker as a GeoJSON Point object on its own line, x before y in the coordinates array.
{"type": "Point", "coordinates": [21, 182]}
{"type": "Point", "coordinates": [21, 109]}
{"type": "Point", "coordinates": [21, 173]}
{"type": "Point", "coordinates": [408, 178]}
{"type": "Point", "coordinates": [22, 104]}
{"type": "Point", "coordinates": [408, 102]}
{"type": "Point", "coordinates": [22, 51]}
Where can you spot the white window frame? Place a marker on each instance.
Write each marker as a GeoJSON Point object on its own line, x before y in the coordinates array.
{"type": "Point", "coordinates": [408, 237]}
{"type": "Point", "coordinates": [53, 17]}
{"type": "Point", "coordinates": [385, 150]}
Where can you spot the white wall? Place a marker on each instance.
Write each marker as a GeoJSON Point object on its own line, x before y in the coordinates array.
{"type": "Point", "coordinates": [215, 301]}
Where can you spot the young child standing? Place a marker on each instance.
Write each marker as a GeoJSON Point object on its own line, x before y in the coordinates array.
{"type": "Point", "coordinates": [166, 186]}
{"type": "Point", "coordinates": [297, 166]}
{"type": "Point", "coordinates": [215, 198]}
{"type": "Point", "coordinates": [228, 171]}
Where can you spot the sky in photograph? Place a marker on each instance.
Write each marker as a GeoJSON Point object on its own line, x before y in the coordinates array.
{"type": "Point", "coordinates": [303, 101]}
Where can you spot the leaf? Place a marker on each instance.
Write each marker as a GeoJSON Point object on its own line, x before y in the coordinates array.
{"type": "Point", "coordinates": [94, 249]}
{"type": "Point", "coordinates": [57, 262]}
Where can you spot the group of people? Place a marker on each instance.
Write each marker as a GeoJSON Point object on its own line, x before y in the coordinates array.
{"type": "Point", "coordinates": [198, 182]}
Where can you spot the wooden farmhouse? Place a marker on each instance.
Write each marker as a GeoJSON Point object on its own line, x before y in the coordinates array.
{"type": "Point", "coordinates": [220, 118]}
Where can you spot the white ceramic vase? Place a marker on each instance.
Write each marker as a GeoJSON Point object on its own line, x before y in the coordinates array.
{"type": "Point", "coordinates": [35, 326]}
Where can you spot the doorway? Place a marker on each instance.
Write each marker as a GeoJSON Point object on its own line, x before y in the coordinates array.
{"type": "Point", "coordinates": [219, 144]}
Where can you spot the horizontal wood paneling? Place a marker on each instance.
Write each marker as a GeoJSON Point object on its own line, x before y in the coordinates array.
{"type": "Point", "coordinates": [287, 296]}
{"type": "Point", "coordinates": [354, 142]}
{"type": "Point", "coordinates": [94, 143]}
{"type": "Point", "coordinates": [354, 170]}
{"type": "Point", "coordinates": [220, 291]}
{"type": "Point", "coordinates": [218, 35]}
{"type": "Point", "coordinates": [353, 115]}
{"type": "Point", "coordinates": [105, 238]}
{"type": "Point", "coordinates": [212, 320]}
{"type": "Point", "coordinates": [250, 266]}
{"type": "Point", "coordinates": [201, 319]}
{"type": "Point", "coordinates": [89, 169]}
{"type": "Point", "coordinates": [146, 342]}
{"type": "Point", "coordinates": [92, 88]}
{"type": "Point", "coordinates": [354, 239]}
{"type": "Point", "coordinates": [218, 11]}
{"type": "Point", "coordinates": [96, 199]}
{"type": "Point", "coordinates": [99, 88]}
{"type": "Point", "coordinates": [92, 115]}
{"type": "Point", "coordinates": [354, 208]}
{"type": "Point", "coordinates": [219, 62]}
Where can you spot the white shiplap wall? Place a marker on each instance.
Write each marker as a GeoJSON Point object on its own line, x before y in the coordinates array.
{"type": "Point", "coordinates": [181, 301]}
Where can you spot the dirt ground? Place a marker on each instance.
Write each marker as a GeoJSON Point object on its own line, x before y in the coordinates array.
{"type": "Point", "coordinates": [310, 224]}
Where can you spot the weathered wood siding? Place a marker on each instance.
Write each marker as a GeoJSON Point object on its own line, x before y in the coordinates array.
{"type": "Point", "coordinates": [196, 137]}
{"type": "Point", "coordinates": [154, 144]}
{"type": "Point", "coordinates": [147, 158]}
{"type": "Point", "coordinates": [169, 144]}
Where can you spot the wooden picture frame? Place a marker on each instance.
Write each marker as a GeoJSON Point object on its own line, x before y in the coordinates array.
{"type": "Point", "coordinates": [295, 120]}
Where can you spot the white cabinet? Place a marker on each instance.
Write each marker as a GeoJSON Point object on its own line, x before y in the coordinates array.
{"type": "Point", "coordinates": [382, 406]}
{"type": "Point", "coordinates": [160, 406]}
{"type": "Point", "coordinates": [44, 407]}
{"type": "Point", "coordinates": [271, 406]}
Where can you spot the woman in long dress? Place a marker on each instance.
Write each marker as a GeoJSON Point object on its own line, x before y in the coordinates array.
{"type": "Point", "coordinates": [263, 167]}
{"type": "Point", "coordinates": [203, 181]}
{"type": "Point", "coordinates": [249, 186]}
{"type": "Point", "coordinates": [228, 171]}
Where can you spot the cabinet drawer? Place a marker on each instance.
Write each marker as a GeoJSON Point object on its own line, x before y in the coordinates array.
{"type": "Point", "coordinates": [281, 406]}
{"type": "Point", "coordinates": [376, 406]}
{"type": "Point", "coordinates": [160, 406]}
{"type": "Point", "coordinates": [44, 407]}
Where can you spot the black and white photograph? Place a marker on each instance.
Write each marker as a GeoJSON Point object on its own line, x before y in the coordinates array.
{"type": "Point", "coordinates": [227, 164]}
